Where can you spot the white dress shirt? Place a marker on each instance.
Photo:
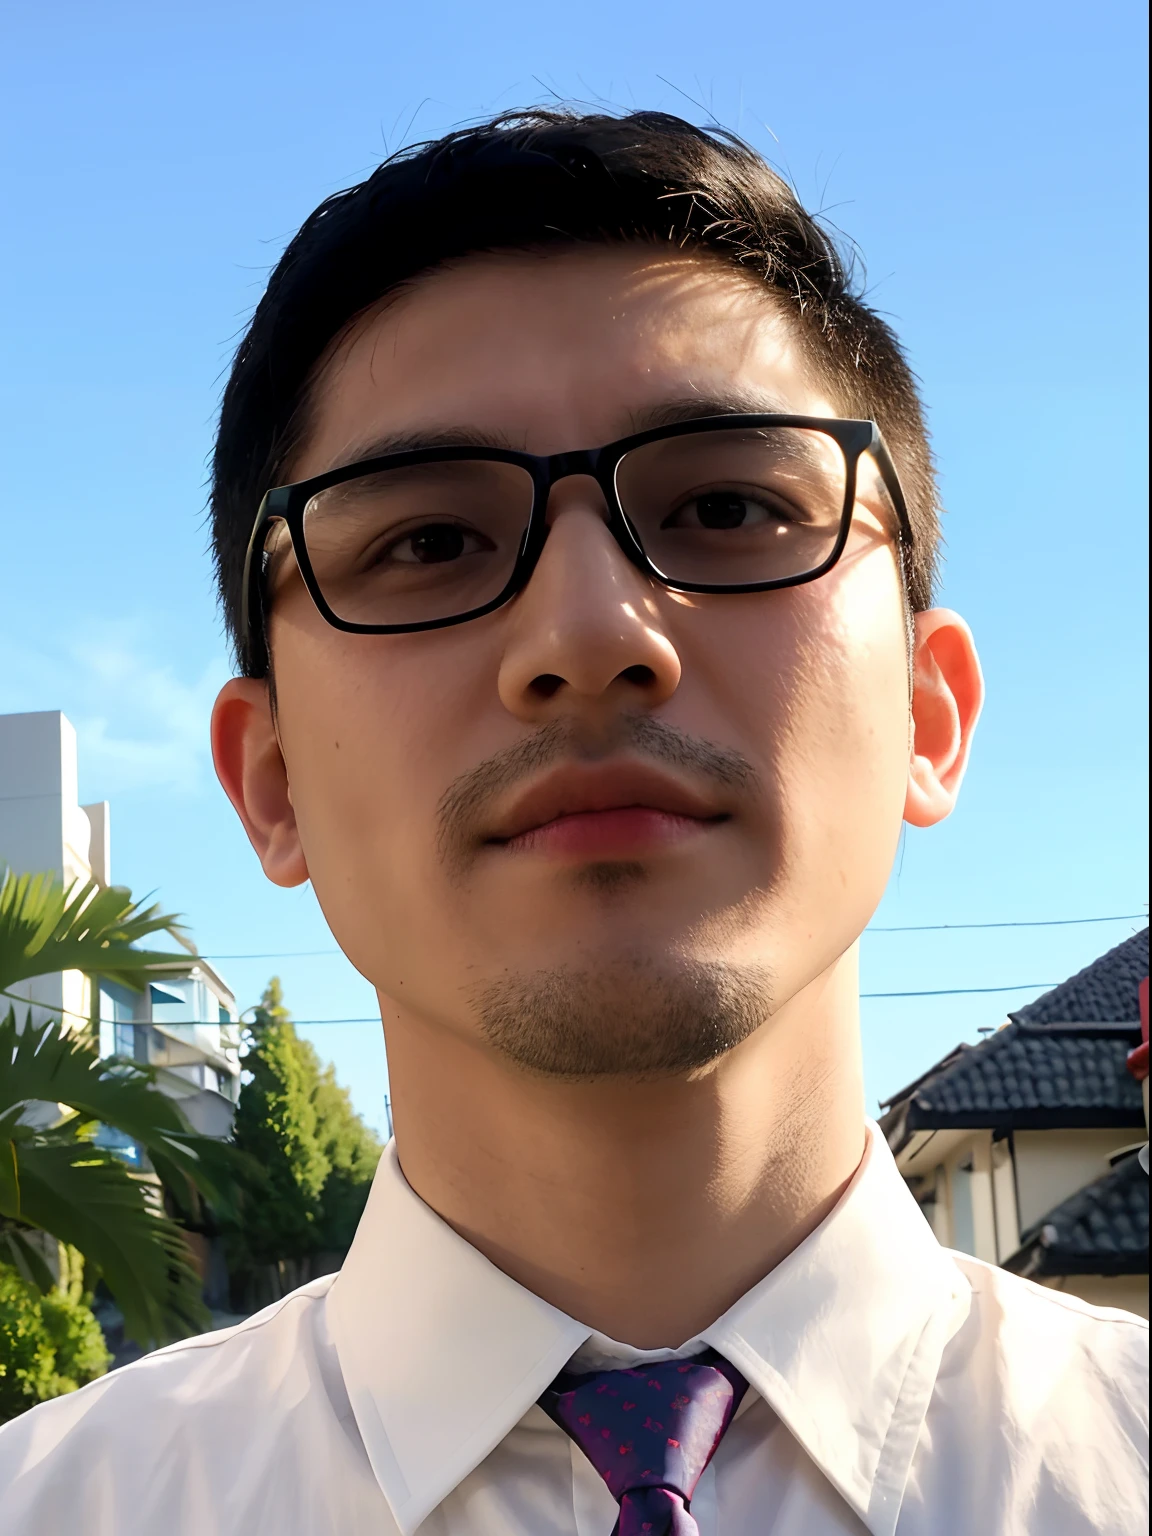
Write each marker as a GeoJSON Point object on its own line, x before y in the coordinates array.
{"type": "Point", "coordinates": [895, 1388]}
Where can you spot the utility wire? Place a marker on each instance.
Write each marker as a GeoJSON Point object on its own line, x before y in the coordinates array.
{"type": "Point", "coordinates": [275, 954]}
{"type": "Point", "coordinates": [1022, 986]}
{"type": "Point", "coordinates": [1046, 922]}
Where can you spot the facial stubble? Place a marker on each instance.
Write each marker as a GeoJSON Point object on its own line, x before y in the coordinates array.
{"type": "Point", "coordinates": [635, 1012]}
{"type": "Point", "coordinates": [631, 1017]}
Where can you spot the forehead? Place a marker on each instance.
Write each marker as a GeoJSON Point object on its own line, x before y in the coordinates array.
{"type": "Point", "coordinates": [552, 351]}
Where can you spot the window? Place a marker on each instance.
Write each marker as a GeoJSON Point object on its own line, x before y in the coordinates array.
{"type": "Point", "coordinates": [172, 1006]}
{"type": "Point", "coordinates": [169, 995]}
{"type": "Point", "coordinates": [186, 1000]}
{"type": "Point", "coordinates": [121, 1013]}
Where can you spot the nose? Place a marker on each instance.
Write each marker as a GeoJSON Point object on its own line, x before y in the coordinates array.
{"type": "Point", "coordinates": [586, 635]}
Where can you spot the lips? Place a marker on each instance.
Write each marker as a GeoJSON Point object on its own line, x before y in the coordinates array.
{"type": "Point", "coordinates": [613, 807]}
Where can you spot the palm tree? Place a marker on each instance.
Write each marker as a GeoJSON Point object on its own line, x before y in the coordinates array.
{"type": "Point", "coordinates": [55, 1091]}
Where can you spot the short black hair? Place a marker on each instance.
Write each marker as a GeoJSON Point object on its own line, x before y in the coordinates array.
{"type": "Point", "coordinates": [531, 180]}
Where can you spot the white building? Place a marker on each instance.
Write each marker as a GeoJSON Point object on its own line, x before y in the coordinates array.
{"type": "Point", "coordinates": [184, 1024]}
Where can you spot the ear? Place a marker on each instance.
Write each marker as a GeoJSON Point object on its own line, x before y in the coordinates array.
{"type": "Point", "coordinates": [947, 695]}
{"type": "Point", "coordinates": [250, 766]}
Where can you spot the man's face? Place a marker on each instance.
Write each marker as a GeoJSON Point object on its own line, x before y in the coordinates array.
{"type": "Point", "coordinates": [607, 827]}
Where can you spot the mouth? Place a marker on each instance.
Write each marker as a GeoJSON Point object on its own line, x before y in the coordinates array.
{"type": "Point", "coordinates": [604, 811]}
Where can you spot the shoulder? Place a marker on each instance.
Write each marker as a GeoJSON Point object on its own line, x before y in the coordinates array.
{"type": "Point", "coordinates": [169, 1442]}
{"type": "Point", "coordinates": [1043, 1400]}
{"type": "Point", "coordinates": [1040, 1335]}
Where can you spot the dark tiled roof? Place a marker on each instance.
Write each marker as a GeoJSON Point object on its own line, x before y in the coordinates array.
{"type": "Point", "coordinates": [1059, 1063]}
{"type": "Point", "coordinates": [1024, 1078]}
{"type": "Point", "coordinates": [1100, 1230]}
{"type": "Point", "coordinates": [1104, 992]}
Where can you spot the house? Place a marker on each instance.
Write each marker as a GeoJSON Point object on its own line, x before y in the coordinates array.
{"type": "Point", "coordinates": [1023, 1149]}
{"type": "Point", "coordinates": [184, 1024]}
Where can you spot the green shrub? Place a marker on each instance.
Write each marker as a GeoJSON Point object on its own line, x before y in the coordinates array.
{"type": "Point", "coordinates": [48, 1344]}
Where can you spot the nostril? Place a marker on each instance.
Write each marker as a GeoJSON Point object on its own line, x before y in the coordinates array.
{"type": "Point", "coordinates": [546, 685]}
{"type": "Point", "coordinates": [640, 676]}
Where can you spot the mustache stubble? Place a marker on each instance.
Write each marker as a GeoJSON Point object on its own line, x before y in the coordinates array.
{"type": "Point", "coordinates": [461, 810]}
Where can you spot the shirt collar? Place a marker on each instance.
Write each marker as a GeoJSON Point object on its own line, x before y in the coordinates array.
{"type": "Point", "coordinates": [442, 1353]}
{"type": "Point", "coordinates": [844, 1338]}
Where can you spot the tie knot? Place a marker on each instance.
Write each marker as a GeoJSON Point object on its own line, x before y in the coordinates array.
{"type": "Point", "coordinates": [655, 1426]}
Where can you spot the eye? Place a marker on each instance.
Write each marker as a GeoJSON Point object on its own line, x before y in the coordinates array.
{"type": "Point", "coordinates": [436, 544]}
{"type": "Point", "coordinates": [722, 510]}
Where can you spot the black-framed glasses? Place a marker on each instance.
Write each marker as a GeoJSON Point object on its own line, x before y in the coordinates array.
{"type": "Point", "coordinates": [437, 536]}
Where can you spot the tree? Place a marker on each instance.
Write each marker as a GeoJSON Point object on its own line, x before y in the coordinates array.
{"type": "Point", "coordinates": [316, 1154]}
{"type": "Point", "coordinates": [54, 1092]}
{"type": "Point", "coordinates": [276, 1125]}
{"type": "Point", "coordinates": [49, 1344]}
{"type": "Point", "coordinates": [352, 1151]}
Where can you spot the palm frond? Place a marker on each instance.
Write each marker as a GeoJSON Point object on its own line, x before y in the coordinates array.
{"type": "Point", "coordinates": [56, 1178]}
{"type": "Point", "coordinates": [41, 1063]}
{"type": "Point", "coordinates": [46, 928]}
{"type": "Point", "coordinates": [29, 1264]}
{"type": "Point", "coordinates": [85, 1196]}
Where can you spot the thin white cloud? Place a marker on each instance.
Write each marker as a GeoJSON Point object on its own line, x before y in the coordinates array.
{"type": "Point", "coordinates": [140, 724]}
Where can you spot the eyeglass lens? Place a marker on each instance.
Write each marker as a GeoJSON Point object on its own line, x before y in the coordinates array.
{"type": "Point", "coordinates": [432, 541]}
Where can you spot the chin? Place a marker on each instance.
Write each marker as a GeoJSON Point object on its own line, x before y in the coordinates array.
{"type": "Point", "coordinates": [635, 1014]}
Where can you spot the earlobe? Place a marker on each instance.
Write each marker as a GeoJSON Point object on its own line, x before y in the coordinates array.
{"type": "Point", "coordinates": [947, 695]}
{"type": "Point", "coordinates": [251, 768]}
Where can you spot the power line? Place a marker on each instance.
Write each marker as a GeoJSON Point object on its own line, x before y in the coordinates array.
{"type": "Point", "coordinates": [276, 954]}
{"type": "Point", "coordinates": [1043, 922]}
{"type": "Point", "coordinates": [1023, 986]}
{"type": "Point", "coordinates": [375, 1019]}
{"type": "Point", "coordinates": [1020, 986]}
{"type": "Point", "coordinates": [1046, 922]}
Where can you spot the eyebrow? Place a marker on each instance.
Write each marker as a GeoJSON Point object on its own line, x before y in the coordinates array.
{"type": "Point", "coordinates": [665, 413]}
{"type": "Point", "coordinates": [670, 413]}
{"type": "Point", "coordinates": [416, 439]}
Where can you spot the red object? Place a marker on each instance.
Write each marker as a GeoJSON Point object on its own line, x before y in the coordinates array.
{"type": "Point", "coordinates": [1138, 1059]}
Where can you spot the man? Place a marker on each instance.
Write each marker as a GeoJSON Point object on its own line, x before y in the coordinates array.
{"type": "Point", "coordinates": [576, 528]}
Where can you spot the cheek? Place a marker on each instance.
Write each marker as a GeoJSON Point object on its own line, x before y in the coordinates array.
{"type": "Point", "coordinates": [373, 728]}
{"type": "Point", "coordinates": [818, 678]}
{"type": "Point", "coordinates": [342, 747]}
{"type": "Point", "coordinates": [847, 742]}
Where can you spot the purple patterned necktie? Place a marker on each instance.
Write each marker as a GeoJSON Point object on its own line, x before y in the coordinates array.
{"type": "Point", "coordinates": [650, 1433]}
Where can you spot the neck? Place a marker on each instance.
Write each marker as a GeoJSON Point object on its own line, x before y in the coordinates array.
{"type": "Point", "coordinates": [643, 1209]}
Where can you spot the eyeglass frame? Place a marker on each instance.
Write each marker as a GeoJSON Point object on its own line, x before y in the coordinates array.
{"type": "Point", "coordinates": [287, 504]}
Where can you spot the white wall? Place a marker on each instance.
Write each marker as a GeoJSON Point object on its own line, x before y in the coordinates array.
{"type": "Point", "coordinates": [1007, 1217]}
{"type": "Point", "coordinates": [984, 1199]}
{"type": "Point", "coordinates": [1128, 1292]}
{"type": "Point", "coordinates": [38, 780]}
{"type": "Point", "coordinates": [1051, 1165]}
{"type": "Point", "coordinates": [100, 842]}
{"type": "Point", "coordinates": [968, 1172]}
{"type": "Point", "coordinates": [43, 829]}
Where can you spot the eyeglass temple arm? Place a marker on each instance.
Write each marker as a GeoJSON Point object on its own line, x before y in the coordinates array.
{"type": "Point", "coordinates": [879, 451]}
{"type": "Point", "coordinates": [254, 661]}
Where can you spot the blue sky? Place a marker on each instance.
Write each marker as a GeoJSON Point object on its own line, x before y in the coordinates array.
{"type": "Point", "coordinates": [987, 160]}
